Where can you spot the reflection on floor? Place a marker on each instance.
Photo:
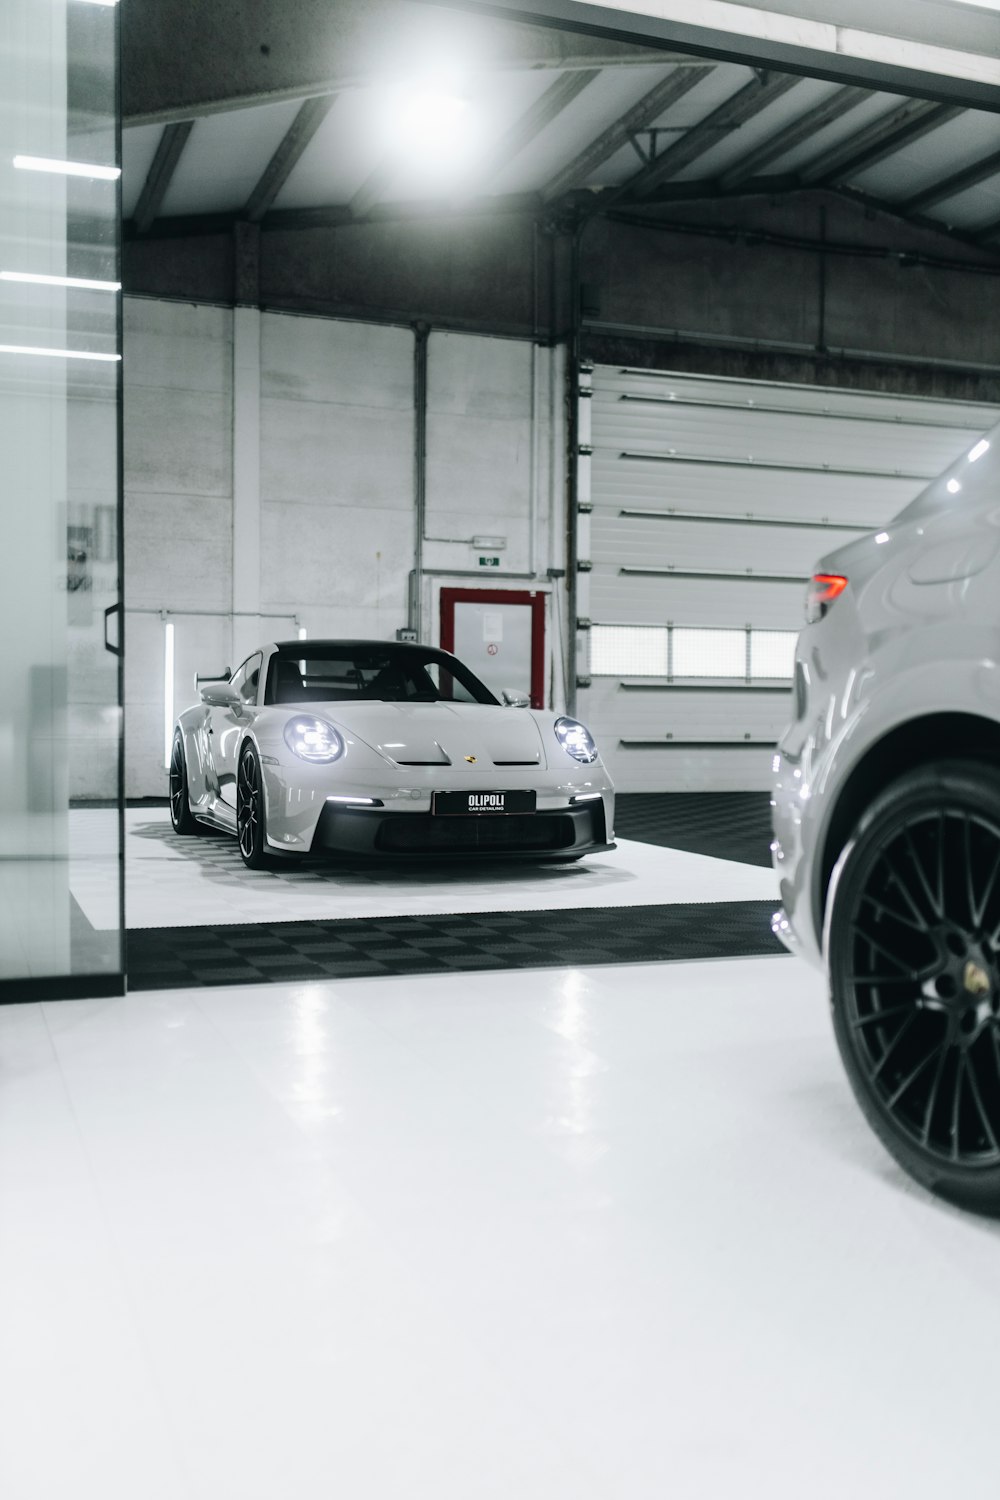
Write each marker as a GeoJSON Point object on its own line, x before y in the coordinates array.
{"type": "Point", "coordinates": [189, 882]}
{"type": "Point", "coordinates": [592, 1233]}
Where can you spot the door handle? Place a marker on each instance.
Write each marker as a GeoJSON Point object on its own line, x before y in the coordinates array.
{"type": "Point", "coordinates": [113, 609]}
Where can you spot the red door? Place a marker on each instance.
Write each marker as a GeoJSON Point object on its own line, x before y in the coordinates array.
{"type": "Point", "coordinates": [500, 634]}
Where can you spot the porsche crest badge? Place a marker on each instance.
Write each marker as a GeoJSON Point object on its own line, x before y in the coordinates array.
{"type": "Point", "coordinates": [471, 759]}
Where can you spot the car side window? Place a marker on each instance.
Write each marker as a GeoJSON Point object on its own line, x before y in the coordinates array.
{"type": "Point", "coordinates": [250, 677]}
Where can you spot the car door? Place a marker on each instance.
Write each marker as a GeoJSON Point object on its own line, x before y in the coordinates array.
{"type": "Point", "coordinates": [227, 727]}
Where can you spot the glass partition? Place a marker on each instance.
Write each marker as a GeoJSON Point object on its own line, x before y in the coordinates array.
{"type": "Point", "coordinates": [60, 499]}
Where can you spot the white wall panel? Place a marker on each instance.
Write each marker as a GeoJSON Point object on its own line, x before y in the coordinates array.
{"type": "Point", "coordinates": [745, 461]}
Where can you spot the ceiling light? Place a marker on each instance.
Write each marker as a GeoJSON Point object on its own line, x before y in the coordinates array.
{"type": "Point", "coordinates": [953, 486]}
{"type": "Point", "coordinates": [56, 353]}
{"type": "Point", "coordinates": [430, 128]}
{"type": "Point", "coordinates": [430, 115]}
{"type": "Point", "coordinates": [100, 2]}
{"type": "Point", "coordinates": [977, 452]}
{"type": "Point", "coordinates": [66, 168]}
{"type": "Point", "coordinates": [82, 283]}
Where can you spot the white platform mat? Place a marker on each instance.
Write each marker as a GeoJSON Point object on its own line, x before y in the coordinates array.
{"type": "Point", "coordinates": [190, 882]}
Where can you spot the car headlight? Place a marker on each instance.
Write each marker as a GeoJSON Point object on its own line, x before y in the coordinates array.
{"type": "Point", "coordinates": [313, 739]}
{"type": "Point", "coordinates": [576, 740]}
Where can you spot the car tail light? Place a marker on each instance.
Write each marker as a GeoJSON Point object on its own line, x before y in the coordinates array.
{"type": "Point", "coordinates": [823, 589]}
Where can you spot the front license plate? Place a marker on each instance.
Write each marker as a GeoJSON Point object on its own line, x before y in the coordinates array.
{"type": "Point", "coordinates": [482, 804]}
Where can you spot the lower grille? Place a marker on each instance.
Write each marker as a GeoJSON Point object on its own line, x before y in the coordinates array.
{"type": "Point", "coordinates": [419, 834]}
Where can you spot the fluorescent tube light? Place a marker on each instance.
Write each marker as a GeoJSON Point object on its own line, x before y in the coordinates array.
{"type": "Point", "coordinates": [57, 353]}
{"type": "Point", "coordinates": [981, 447]}
{"type": "Point", "coordinates": [83, 283]}
{"type": "Point", "coordinates": [66, 168]}
{"type": "Point", "coordinates": [168, 692]}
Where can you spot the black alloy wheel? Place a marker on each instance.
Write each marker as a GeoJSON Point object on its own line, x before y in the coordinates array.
{"type": "Point", "coordinates": [914, 953]}
{"type": "Point", "coordinates": [181, 818]}
{"type": "Point", "coordinates": [250, 827]}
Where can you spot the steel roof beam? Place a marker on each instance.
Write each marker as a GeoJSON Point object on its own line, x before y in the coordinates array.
{"type": "Point", "coordinates": [557, 97]}
{"type": "Point", "coordinates": [907, 123]}
{"type": "Point", "coordinates": [743, 106]}
{"type": "Point", "coordinates": [278, 170]}
{"type": "Point", "coordinates": [164, 164]}
{"type": "Point", "coordinates": [793, 134]}
{"type": "Point", "coordinates": [957, 182]}
{"type": "Point", "coordinates": [640, 117]}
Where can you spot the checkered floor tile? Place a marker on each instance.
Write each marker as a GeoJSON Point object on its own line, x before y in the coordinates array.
{"type": "Point", "coordinates": [164, 957]}
{"type": "Point", "coordinates": [726, 825]}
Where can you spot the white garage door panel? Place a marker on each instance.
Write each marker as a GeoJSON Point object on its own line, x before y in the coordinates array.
{"type": "Point", "coordinates": [682, 769]}
{"type": "Point", "coordinates": [785, 493]}
{"type": "Point", "coordinates": [655, 713]}
{"type": "Point", "coordinates": [718, 451]}
{"type": "Point", "coordinates": [717, 394]}
{"type": "Point", "coordinates": [706, 544]}
{"type": "Point", "coordinates": [640, 600]}
{"type": "Point", "coordinates": [815, 442]}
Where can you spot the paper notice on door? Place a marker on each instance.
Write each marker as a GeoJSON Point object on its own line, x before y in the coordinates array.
{"type": "Point", "coordinates": [493, 626]}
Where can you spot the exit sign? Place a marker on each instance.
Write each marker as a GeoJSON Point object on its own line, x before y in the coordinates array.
{"type": "Point", "coordinates": [489, 562]}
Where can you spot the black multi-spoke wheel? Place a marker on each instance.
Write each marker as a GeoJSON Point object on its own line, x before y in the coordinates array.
{"type": "Point", "coordinates": [914, 952]}
{"type": "Point", "coordinates": [180, 806]}
{"type": "Point", "coordinates": [250, 825]}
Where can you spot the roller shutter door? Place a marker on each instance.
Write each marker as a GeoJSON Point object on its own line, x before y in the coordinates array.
{"type": "Point", "coordinates": [703, 506]}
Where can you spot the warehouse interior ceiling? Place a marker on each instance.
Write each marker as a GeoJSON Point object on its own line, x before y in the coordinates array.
{"type": "Point", "coordinates": [570, 126]}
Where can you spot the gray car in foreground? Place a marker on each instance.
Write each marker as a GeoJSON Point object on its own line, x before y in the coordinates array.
{"type": "Point", "coordinates": [886, 800]}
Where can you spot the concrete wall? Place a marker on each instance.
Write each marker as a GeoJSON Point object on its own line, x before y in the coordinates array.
{"type": "Point", "coordinates": [270, 484]}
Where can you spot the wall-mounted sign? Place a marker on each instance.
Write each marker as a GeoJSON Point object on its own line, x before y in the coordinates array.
{"type": "Point", "coordinates": [489, 562]}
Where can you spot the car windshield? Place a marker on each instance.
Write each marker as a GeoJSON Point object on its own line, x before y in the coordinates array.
{"type": "Point", "coordinates": [335, 672]}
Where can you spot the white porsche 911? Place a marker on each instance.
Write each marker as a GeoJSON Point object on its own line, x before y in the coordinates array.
{"type": "Point", "coordinates": [380, 748]}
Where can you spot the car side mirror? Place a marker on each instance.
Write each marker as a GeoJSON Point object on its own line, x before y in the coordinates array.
{"type": "Point", "coordinates": [220, 694]}
{"type": "Point", "coordinates": [514, 698]}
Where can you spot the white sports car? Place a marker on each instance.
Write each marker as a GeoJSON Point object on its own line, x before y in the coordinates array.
{"type": "Point", "coordinates": [374, 747]}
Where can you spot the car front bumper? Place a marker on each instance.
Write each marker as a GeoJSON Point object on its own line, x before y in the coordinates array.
{"type": "Point", "coordinates": [547, 833]}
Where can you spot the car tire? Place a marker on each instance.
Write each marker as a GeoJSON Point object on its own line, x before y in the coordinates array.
{"type": "Point", "coordinates": [182, 819]}
{"type": "Point", "coordinates": [251, 828]}
{"type": "Point", "coordinates": [913, 945]}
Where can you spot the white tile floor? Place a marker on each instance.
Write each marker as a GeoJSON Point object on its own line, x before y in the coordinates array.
{"type": "Point", "coordinates": [175, 882]}
{"type": "Point", "coordinates": [583, 1234]}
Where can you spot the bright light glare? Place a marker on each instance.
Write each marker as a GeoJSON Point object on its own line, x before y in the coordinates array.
{"type": "Point", "coordinates": [356, 801]}
{"type": "Point", "coordinates": [883, 536]}
{"type": "Point", "coordinates": [66, 168]}
{"type": "Point", "coordinates": [431, 129]}
{"type": "Point", "coordinates": [108, 3]}
{"type": "Point", "coordinates": [302, 632]}
{"type": "Point", "coordinates": [82, 282]}
{"type": "Point", "coordinates": [168, 692]}
{"type": "Point", "coordinates": [430, 116]}
{"type": "Point", "coordinates": [57, 353]}
{"type": "Point", "coordinates": [953, 486]}
{"type": "Point", "coordinates": [977, 452]}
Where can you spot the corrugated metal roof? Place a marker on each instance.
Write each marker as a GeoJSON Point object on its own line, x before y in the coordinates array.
{"type": "Point", "coordinates": [525, 128]}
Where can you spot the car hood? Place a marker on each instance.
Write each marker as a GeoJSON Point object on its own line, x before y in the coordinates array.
{"type": "Point", "coordinates": [441, 734]}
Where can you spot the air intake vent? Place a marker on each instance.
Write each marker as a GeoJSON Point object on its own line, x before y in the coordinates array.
{"type": "Point", "coordinates": [535, 762]}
